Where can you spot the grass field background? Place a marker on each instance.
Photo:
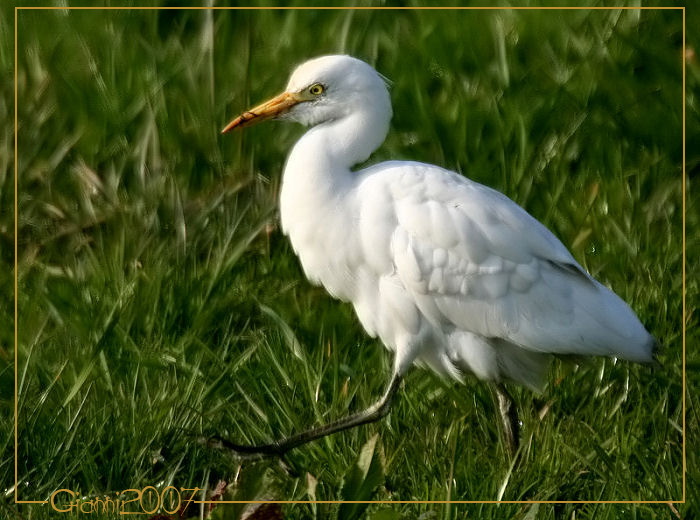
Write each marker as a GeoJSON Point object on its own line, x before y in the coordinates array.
{"type": "Point", "coordinates": [158, 299]}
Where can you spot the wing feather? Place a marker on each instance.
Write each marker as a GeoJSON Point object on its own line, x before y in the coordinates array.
{"type": "Point", "coordinates": [477, 261]}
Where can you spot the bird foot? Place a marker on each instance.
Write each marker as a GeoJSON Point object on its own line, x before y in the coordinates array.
{"type": "Point", "coordinates": [241, 451]}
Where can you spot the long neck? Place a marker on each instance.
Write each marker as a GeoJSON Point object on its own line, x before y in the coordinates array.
{"type": "Point", "coordinates": [318, 174]}
{"type": "Point", "coordinates": [342, 142]}
{"type": "Point", "coordinates": [318, 203]}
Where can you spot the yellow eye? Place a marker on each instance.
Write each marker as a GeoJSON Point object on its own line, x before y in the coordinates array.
{"type": "Point", "coordinates": [316, 89]}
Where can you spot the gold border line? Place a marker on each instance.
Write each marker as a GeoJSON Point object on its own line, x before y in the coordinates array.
{"type": "Point", "coordinates": [553, 502]}
{"type": "Point", "coordinates": [495, 502]}
{"type": "Point", "coordinates": [358, 8]}
{"type": "Point", "coordinates": [683, 189]}
{"type": "Point", "coordinates": [16, 492]}
{"type": "Point", "coordinates": [379, 8]}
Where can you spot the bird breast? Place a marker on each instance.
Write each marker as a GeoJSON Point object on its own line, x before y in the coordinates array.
{"type": "Point", "coordinates": [343, 240]}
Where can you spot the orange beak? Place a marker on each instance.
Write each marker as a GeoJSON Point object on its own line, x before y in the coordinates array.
{"type": "Point", "coordinates": [275, 107]}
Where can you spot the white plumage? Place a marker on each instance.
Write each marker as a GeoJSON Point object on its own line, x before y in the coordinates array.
{"type": "Point", "coordinates": [448, 273]}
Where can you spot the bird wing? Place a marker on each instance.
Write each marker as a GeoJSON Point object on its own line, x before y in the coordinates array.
{"type": "Point", "coordinates": [476, 261]}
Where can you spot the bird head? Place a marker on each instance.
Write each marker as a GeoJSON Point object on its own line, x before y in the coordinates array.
{"type": "Point", "coordinates": [320, 90]}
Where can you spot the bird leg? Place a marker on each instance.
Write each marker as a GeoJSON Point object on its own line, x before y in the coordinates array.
{"type": "Point", "coordinates": [509, 418]}
{"type": "Point", "coordinates": [278, 448]}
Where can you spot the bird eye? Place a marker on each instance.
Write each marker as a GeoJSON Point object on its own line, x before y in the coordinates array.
{"type": "Point", "coordinates": [316, 89]}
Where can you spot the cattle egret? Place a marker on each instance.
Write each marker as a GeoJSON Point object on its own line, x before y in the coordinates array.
{"type": "Point", "coordinates": [448, 273]}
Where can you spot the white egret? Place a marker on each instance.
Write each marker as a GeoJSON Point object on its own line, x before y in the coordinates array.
{"type": "Point", "coordinates": [448, 273]}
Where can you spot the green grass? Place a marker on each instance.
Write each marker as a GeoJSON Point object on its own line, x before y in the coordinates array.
{"type": "Point", "coordinates": [158, 299]}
